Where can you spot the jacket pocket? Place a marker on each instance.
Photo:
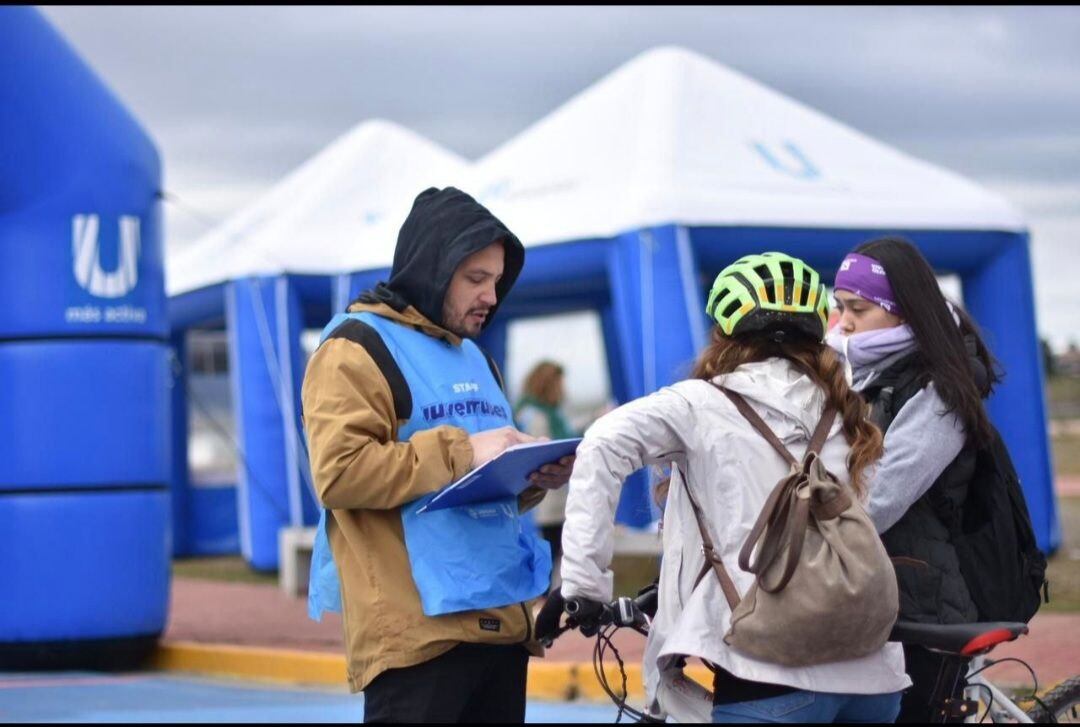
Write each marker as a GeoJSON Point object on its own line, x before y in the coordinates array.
{"type": "Point", "coordinates": [903, 560]}
{"type": "Point", "coordinates": [919, 584]}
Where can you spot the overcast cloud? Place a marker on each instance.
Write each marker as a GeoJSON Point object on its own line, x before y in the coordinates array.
{"type": "Point", "coordinates": [237, 97]}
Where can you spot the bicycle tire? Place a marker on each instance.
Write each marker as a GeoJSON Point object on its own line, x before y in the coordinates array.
{"type": "Point", "coordinates": [1062, 703]}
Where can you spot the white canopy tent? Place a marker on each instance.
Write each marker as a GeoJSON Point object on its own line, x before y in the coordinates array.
{"type": "Point", "coordinates": [326, 216]}
{"type": "Point", "coordinates": [674, 137]}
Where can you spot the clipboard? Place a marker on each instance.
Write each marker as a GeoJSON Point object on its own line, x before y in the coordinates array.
{"type": "Point", "coordinates": [505, 476]}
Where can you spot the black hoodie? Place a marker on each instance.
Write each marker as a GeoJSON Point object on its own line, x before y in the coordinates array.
{"type": "Point", "coordinates": [443, 228]}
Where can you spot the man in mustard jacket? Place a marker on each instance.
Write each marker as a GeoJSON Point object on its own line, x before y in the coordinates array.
{"type": "Point", "coordinates": [398, 402]}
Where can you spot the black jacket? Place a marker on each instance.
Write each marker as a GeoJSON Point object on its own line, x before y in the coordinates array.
{"type": "Point", "coordinates": [443, 228]}
{"type": "Point", "coordinates": [932, 587]}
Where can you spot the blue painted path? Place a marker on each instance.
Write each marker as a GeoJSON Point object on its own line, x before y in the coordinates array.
{"type": "Point", "coordinates": [159, 697]}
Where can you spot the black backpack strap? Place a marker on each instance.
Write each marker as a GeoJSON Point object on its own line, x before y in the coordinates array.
{"type": "Point", "coordinates": [893, 388]}
{"type": "Point", "coordinates": [494, 369]}
{"type": "Point", "coordinates": [361, 333]}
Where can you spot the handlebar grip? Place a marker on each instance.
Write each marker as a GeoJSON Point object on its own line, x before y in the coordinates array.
{"type": "Point", "coordinates": [647, 602]}
{"type": "Point", "coordinates": [582, 608]}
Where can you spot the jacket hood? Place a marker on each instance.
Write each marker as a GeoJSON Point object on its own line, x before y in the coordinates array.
{"type": "Point", "coordinates": [443, 228]}
{"type": "Point", "coordinates": [779, 385]}
{"type": "Point", "coordinates": [408, 316]}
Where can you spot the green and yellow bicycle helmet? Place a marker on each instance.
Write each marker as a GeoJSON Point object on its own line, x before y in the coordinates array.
{"type": "Point", "coordinates": [769, 292]}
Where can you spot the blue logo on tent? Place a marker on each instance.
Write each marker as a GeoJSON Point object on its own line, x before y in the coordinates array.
{"type": "Point", "coordinates": [803, 169]}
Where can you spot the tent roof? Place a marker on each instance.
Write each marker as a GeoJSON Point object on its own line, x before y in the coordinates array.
{"type": "Point", "coordinates": [327, 215]}
{"type": "Point", "coordinates": [669, 137]}
{"type": "Point", "coordinates": [673, 137]}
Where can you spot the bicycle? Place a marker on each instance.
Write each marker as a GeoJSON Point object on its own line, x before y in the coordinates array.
{"type": "Point", "coordinates": [687, 701]}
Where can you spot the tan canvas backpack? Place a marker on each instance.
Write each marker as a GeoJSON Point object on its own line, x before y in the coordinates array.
{"type": "Point", "coordinates": [824, 588]}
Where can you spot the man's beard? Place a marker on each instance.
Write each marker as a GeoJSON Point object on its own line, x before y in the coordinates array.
{"type": "Point", "coordinates": [459, 325]}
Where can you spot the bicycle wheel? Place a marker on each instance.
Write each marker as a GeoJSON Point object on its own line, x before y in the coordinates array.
{"type": "Point", "coordinates": [1062, 703]}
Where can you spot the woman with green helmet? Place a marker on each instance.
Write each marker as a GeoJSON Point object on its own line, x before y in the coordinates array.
{"type": "Point", "coordinates": [771, 312]}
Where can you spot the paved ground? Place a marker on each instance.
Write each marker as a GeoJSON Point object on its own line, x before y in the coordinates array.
{"type": "Point", "coordinates": [247, 614]}
{"type": "Point", "coordinates": [152, 698]}
{"type": "Point", "coordinates": [1067, 486]}
{"type": "Point", "coordinates": [261, 615]}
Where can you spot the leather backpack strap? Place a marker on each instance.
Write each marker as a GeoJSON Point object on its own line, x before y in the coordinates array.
{"type": "Point", "coordinates": [731, 593]}
{"type": "Point", "coordinates": [821, 432]}
{"type": "Point", "coordinates": [775, 508]}
{"type": "Point", "coordinates": [758, 423]}
{"type": "Point", "coordinates": [795, 534]}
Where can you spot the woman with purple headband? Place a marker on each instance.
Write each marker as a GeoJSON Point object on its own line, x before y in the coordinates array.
{"type": "Point", "coordinates": [921, 365]}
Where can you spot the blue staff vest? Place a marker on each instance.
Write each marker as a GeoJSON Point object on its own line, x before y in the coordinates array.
{"type": "Point", "coordinates": [464, 558]}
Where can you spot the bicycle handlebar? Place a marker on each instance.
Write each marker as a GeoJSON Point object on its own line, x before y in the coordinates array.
{"type": "Point", "coordinates": [623, 612]}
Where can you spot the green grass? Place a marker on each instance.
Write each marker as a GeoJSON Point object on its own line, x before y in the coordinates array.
{"type": "Point", "coordinates": [232, 568]}
{"type": "Point", "coordinates": [1066, 449]}
{"type": "Point", "coordinates": [634, 572]}
{"type": "Point", "coordinates": [1063, 396]}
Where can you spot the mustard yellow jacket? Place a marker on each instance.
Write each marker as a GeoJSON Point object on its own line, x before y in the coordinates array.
{"type": "Point", "coordinates": [363, 476]}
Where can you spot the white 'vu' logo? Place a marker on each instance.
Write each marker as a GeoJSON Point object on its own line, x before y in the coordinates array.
{"type": "Point", "coordinates": [86, 251]}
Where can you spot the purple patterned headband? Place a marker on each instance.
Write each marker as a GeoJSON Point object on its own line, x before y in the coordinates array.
{"type": "Point", "coordinates": [866, 278]}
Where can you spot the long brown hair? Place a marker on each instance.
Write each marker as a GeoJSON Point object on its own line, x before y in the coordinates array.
{"type": "Point", "coordinates": [723, 355]}
{"type": "Point", "coordinates": [544, 383]}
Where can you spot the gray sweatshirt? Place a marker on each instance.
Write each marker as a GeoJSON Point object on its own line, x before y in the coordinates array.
{"type": "Point", "coordinates": [921, 442]}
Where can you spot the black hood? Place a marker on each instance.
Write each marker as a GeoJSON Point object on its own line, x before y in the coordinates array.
{"type": "Point", "coordinates": [443, 228]}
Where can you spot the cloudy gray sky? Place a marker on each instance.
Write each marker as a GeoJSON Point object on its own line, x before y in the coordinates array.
{"type": "Point", "coordinates": [238, 96]}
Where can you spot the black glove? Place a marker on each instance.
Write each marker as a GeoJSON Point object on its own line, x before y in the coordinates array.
{"type": "Point", "coordinates": [588, 615]}
{"type": "Point", "coordinates": [547, 621]}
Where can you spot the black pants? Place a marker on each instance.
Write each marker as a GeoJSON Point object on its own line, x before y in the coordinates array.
{"type": "Point", "coordinates": [929, 672]}
{"type": "Point", "coordinates": [469, 683]}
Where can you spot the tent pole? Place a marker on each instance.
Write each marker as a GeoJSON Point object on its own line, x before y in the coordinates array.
{"type": "Point", "coordinates": [1001, 298]}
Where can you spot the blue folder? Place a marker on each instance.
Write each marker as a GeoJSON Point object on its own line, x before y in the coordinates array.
{"type": "Point", "coordinates": [505, 476]}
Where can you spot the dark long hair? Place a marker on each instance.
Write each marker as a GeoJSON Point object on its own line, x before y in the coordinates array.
{"type": "Point", "coordinates": [962, 377]}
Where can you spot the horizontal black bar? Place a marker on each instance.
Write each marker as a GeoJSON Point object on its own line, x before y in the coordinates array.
{"type": "Point", "coordinates": [76, 490]}
{"type": "Point", "coordinates": [113, 337]}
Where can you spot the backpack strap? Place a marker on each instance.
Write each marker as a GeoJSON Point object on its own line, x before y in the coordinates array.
{"type": "Point", "coordinates": [758, 423]}
{"type": "Point", "coordinates": [731, 593]}
{"type": "Point", "coordinates": [817, 439]}
{"type": "Point", "coordinates": [821, 431]}
{"type": "Point", "coordinates": [357, 331]}
{"type": "Point", "coordinates": [784, 517]}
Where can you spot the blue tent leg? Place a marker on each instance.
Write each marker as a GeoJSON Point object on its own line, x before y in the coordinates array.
{"type": "Point", "coordinates": [616, 374]}
{"type": "Point", "coordinates": [658, 318]}
{"type": "Point", "coordinates": [289, 322]}
{"type": "Point", "coordinates": [339, 293]}
{"type": "Point", "coordinates": [263, 497]}
{"type": "Point", "coordinates": [1001, 298]}
{"type": "Point", "coordinates": [180, 481]}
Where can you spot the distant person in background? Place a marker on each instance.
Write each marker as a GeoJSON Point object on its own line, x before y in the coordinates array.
{"type": "Point", "coordinates": [538, 413]}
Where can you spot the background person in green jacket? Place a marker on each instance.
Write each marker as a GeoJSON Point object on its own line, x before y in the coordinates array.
{"type": "Point", "coordinates": [538, 413]}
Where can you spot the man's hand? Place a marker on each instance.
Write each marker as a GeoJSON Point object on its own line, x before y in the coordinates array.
{"type": "Point", "coordinates": [547, 621]}
{"type": "Point", "coordinates": [488, 445]}
{"type": "Point", "coordinates": [554, 475]}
